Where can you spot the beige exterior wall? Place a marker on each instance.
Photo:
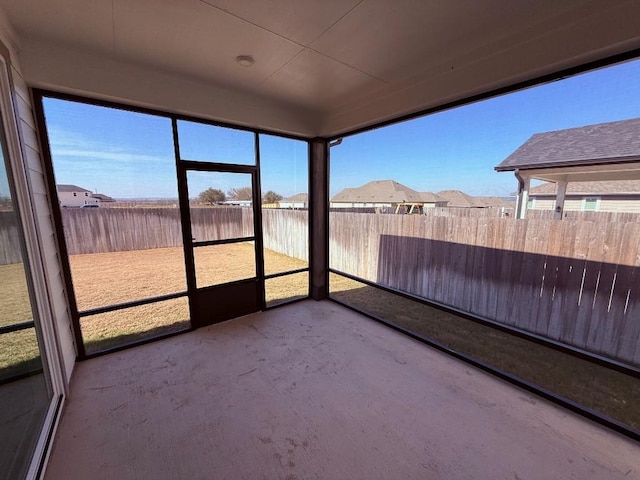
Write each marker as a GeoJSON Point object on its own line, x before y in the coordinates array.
{"type": "Point", "coordinates": [39, 195]}
{"type": "Point", "coordinates": [549, 204]}
{"type": "Point", "coordinates": [629, 203]}
{"type": "Point", "coordinates": [620, 205]}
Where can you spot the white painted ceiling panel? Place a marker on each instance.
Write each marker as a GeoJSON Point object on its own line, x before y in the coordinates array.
{"type": "Point", "coordinates": [299, 20]}
{"type": "Point", "coordinates": [348, 63]}
{"type": "Point", "coordinates": [201, 41]}
{"type": "Point", "coordinates": [392, 40]}
{"type": "Point", "coordinates": [64, 22]}
{"type": "Point", "coordinates": [319, 82]}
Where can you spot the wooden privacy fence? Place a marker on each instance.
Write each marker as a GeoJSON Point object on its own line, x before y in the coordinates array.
{"type": "Point", "coordinates": [287, 232]}
{"type": "Point", "coordinates": [102, 230]}
{"type": "Point", "coordinates": [600, 217]}
{"type": "Point", "coordinates": [572, 281]}
{"type": "Point", "coordinates": [10, 251]}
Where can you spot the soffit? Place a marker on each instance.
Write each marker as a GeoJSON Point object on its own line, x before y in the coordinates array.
{"type": "Point", "coordinates": [347, 63]}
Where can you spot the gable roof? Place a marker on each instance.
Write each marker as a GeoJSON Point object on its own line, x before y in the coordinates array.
{"type": "Point", "coordinates": [102, 197]}
{"type": "Point", "coordinates": [601, 143]}
{"type": "Point", "coordinates": [379, 191]}
{"type": "Point", "coordinates": [457, 198]}
{"type": "Point", "coordinates": [71, 188]}
{"type": "Point", "coordinates": [429, 197]}
{"type": "Point", "coordinates": [298, 197]}
{"type": "Point", "coordinates": [494, 202]}
{"type": "Point", "coordinates": [617, 187]}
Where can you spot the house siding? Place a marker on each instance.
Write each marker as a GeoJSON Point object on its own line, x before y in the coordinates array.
{"type": "Point", "coordinates": [620, 205]}
{"type": "Point", "coordinates": [39, 194]}
{"type": "Point", "coordinates": [610, 203]}
{"type": "Point", "coordinates": [76, 199]}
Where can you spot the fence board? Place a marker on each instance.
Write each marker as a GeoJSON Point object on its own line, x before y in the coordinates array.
{"type": "Point", "coordinates": [553, 278]}
{"type": "Point", "coordinates": [10, 251]}
{"type": "Point", "coordinates": [622, 324]}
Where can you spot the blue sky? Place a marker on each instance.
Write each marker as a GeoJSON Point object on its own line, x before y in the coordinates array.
{"type": "Point", "coordinates": [458, 149]}
{"type": "Point", "coordinates": [130, 155]}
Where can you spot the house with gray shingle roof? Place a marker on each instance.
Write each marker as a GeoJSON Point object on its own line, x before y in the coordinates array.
{"type": "Point", "coordinates": [459, 199]}
{"type": "Point", "coordinates": [386, 194]}
{"type": "Point", "coordinates": [605, 152]}
{"type": "Point", "coordinates": [299, 200]}
{"type": "Point", "coordinates": [70, 196]}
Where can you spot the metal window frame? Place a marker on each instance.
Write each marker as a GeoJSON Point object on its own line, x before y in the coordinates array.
{"type": "Point", "coordinates": [181, 167]}
{"type": "Point", "coordinates": [324, 245]}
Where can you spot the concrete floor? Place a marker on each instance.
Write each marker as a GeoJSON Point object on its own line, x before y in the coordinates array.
{"type": "Point", "coordinates": [315, 391]}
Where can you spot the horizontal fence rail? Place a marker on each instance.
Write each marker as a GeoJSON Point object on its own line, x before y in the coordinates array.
{"type": "Point", "coordinates": [572, 281]}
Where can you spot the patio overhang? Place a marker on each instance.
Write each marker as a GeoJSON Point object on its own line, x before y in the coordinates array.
{"type": "Point", "coordinates": [318, 70]}
{"type": "Point", "coordinates": [605, 170]}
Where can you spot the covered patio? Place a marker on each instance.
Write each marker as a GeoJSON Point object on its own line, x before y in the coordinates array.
{"type": "Point", "coordinates": [314, 390]}
{"type": "Point", "coordinates": [310, 389]}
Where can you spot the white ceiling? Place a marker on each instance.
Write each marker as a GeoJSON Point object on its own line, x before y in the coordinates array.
{"type": "Point", "coordinates": [322, 67]}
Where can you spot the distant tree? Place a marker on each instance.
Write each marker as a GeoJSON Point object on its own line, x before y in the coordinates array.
{"type": "Point", "coordinates": [242, 193]}
{"type": "Point", "coordinates": [212, 196]}
{"type": "Point", "coordinates": [271, 197]}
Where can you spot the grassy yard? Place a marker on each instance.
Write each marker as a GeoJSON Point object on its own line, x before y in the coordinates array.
{"type": "Point", "coordinates": [103, 279]}
{"type": "Point", "coordinates": [110, 278]}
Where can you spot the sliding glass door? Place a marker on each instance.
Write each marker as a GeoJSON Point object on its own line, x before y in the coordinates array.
{"type": "Point", "coordinates": [26, 393]}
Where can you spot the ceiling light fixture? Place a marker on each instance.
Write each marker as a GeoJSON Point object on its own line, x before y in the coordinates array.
{"type": "Point", "coordinates": [245, 60]}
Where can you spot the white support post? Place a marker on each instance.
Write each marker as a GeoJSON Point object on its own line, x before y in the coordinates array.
{"type": "Point", "coordinates": [523, 198]}
{"type": "Point", "coordinates": [561, 190]}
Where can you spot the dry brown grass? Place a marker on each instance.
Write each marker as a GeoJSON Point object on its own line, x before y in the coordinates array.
{"type": "Point", "coordinates": [103, 279]}
{"type": "Point", "coordinates": [110, 278]}
{"type": "Point", "coordinates": [14, 299]}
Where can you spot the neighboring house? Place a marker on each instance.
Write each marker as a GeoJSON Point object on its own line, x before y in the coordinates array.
{"type": "Point", "coordinates": [459, 199]}
{"type": "Point", "coordinates": [603, 155]}
{"type": "Point", "coordinates": [299, 200]}
{"type": "Point", "coordinates": [385, 194]}
{"type": "Point", "coordinates": [432, 200]}
{"type": "Point", "coordinates": [237, 203]}
{"type": "Point", "coordinates": [102, 198]}
{"type": "Point", "coordinates": [70, 196]}
{"type": "Point", "coordinates": [612, 196]}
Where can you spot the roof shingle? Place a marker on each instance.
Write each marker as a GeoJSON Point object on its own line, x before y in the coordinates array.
{"type": "Point", "coordinates": [71, 188]}
{"type": "Point", "coordinates": [379, 191]}
{"type": "Point", "coordinates": [613, 141]}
